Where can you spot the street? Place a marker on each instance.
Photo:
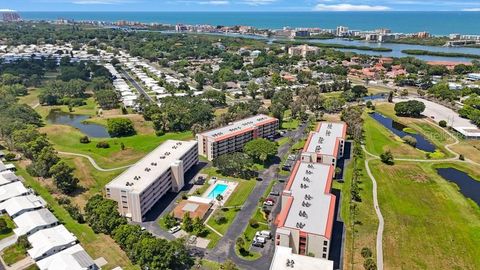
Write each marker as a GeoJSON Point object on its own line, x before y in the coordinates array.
{"type": "Point", "coordinates": [225, 248]}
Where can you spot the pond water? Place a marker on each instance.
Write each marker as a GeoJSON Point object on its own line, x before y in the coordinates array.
{"type": "Point", "coordinates": [469, 187]}
{"type": "Point", "coordinates": [77, 121]}
{"type": "Point", "coordinates": [397, 129]}
{"type": "Point", "coordinates": [376, 96]}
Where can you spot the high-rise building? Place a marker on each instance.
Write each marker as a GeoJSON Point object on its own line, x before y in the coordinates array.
{"type": "Point", "coordinates": [142, 185]}
{"type": "Point", "coordinates": [233, 137]}
{"type": "Point", "coordinates": [325, 145]}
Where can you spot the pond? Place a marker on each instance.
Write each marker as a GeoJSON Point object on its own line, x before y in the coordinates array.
{"type": "Point", "coordinates": [376, 96]}
{"type": "Point", "coordinates": [77, 121]}
{"type": "Point", "coordinates": [398, 129]}
{"type": "Point", "coordinates": [469, 187]}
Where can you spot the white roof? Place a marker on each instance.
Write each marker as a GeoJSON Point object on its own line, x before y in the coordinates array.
{"type": "Point", "coordinates": [72, 258]}
{"type": "Point", "coordinates": [2, 166]}
{"type": "Point", "coordinates": [143, 173]}
{"type": "Point", "coordinates": [243, 124]}
{"type": "Point", "coordinates": [11, 190]}
{"type": "Point", "coordinates": [324, 140]}
{"type": "Point", "coordinates": [15, 205]}
{"type": "Point", "coordinates": [7, 177]}
{"type": "Point", "coordinates": [284, 259]}
{"type": "Point", "coordinates": [309, 188]}
{"type": "Point", "coordinates": [33, 219]}
{"type": "Point", "coordinates": [48, 239]}
{"type": "Point", "coordinates": [200, 199]}
{"type": "Point", "coordinates": [468, 131]}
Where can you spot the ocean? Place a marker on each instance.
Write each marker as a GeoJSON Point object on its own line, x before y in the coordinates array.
{"type": "Point", "coordinates": [437, 23]}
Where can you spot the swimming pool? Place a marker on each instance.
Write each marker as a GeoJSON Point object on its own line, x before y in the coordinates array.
{"type": "Point", "coordinates": [219, 189]}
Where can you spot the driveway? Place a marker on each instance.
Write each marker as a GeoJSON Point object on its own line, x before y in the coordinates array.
{"type": "Point", "coordinates": [136, 85]}
{"type": "Point", "coordinates": [225, 248]}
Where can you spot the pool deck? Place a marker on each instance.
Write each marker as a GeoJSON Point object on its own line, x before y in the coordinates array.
{"type": "Point", "coordinates": [226, 194]}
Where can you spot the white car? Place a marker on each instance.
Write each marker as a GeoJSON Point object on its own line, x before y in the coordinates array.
{"type": "Point", "coordinates": [174, 229]}
{"type": "Point", "coordinates": [268, 203]}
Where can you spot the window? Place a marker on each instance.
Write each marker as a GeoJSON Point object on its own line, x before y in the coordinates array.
{"type": "Point", "coordinates": [324, 249]}
{"type": "Point", "coordinates": [325, 243]}
{"type": "Point", "coordinates": [324, 255]}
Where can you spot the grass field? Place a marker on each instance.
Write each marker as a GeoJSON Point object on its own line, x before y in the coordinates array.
{"type": "Point", "coordinates": [233, 205]}
{"type": "Point", "coordinates": [469, 148]}
{"type": "Point", "coordinates": [13, 254]}
{"type": "Point", "coordinates": [365, 227]}
{"type": "Point", "coordinates": [67, 139]}
{"type": "Point", "coordinates": [427, 128]}
{"type": "Point", "coordinates": [379, 139]}
{"type": "Point", "coordinates": [97, 245]}
{"type": "Point", "coordinates": [428, 223]}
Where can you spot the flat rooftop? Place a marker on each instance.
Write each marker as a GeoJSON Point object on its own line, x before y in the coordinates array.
{"type": "Point", "coordinates": [50, 238]}
{"type": "Point", "coordinates": [310, 207]}
{"type": "Point", "coordinates": [33, 219]}
{"type": "Point", "coordinates": [469, 131]}
{"type": "Point", "coordinates": [284, 259]}
{"type": "Point", "coordinates": [143, 173]}
{"type": "Point", "coordinates": [72, 258]}
{"type": "Point", "coordinates": [7, 177]}
{"type": "Point", "coordinates": [15, 205]}
{"type": "Point", "coordinates": [243, 125]}
{"type": "Point", "coordinates": [324, 140]}
{"type": "Point", "coordinates": [11, 190]}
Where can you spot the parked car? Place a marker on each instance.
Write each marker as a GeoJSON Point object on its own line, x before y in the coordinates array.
{"type": "Point", "coordinates": [174, 229]}
{"type": "Point", "coordinates": [257, 244]}
{"type": "Point", "coordinates": [266, 234]}
{"type": "Point", "coordinates": [260, 239]}
{"type": "Point", "coordinates": [268, 203]}
{"type": "Point", "coordinates": [274, 193]}
{"type": "Point", "coordinates": [259, 179]}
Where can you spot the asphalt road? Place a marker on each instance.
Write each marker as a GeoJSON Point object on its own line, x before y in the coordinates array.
{"type": "Point", "coordinates": [136, 85]}
{"type": "Point", "coordinates": [225, 248]}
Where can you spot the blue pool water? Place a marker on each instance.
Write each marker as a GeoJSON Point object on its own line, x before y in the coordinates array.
{"type": "Point", "coordinates": [219, 189]}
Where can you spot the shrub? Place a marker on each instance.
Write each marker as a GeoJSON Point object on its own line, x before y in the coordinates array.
{"type": "Point", "coordinates": [410, 140]}
{"type": "Point", "coordinates": [103, 144]}
{"type": "Point", "coordinates": [220, 218]}
{"type": "Point", "coordinates": [366, 252]}
{"type": "Point", "coordinates": [253, 223]}
{"type": "Point", "coordinates": [369, 104]}
{"type": "Point", "coordinates": [84, 139]}
{"type": "Point", "coordinates": [63, 200]}
{"type": "Point", "coordinates": [461, 157]}
{"type": "Point", "coordinates": [387, 157]}
{"type": "Point", "coordinates": [3, 226]}
{"type": "Point", "coordinates": [442, 123]}
{"type": "Point", "coordinates": [10, 156]}
{"type": "Point", "coordinates": [75, 213]}
{"type": "Point", "coordinates": [369, 264]}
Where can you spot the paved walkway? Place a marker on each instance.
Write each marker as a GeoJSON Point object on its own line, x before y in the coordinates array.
{"type": "Point", "coordinates": [93, 162]}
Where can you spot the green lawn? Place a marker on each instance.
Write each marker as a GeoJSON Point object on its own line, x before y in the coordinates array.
{"type": "Point", "coordinates": [13, 254]}
{"type": "Point", "coordinates": [67, 139]}
{"type": "Point", "coordinates": [232, 205]}
{"type": "Point", "coordinates": [379, 139]}
{"type": "Point", "coordinates": [289, 122]}
{"type": "Point", "coordinates": [90, 108]}
{"type": "Point", "coordinates": [97, 245]}
{"type": "Point", "coordinates": [429, 223]}
{"type": "Point", "coordinates": [10, 226]}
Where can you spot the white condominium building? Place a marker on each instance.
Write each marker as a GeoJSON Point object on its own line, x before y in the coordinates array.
{"type": "Point", "coordinates": [233, 137]}
{"type": "Point", "coordinates": [303, 50]}
{"type": "Point", "coordinates": [325, 145]}
{"type": "Point", "coordinates": [306, 220]}
{"type": "Point", "coordinates": [138, 188]}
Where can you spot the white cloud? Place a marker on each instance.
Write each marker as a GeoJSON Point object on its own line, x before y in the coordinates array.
{"type": "Point", "coordinates": [214, 2]}
{"type": "Point", "coordinates": [349, 7]}
{"type": "Point", "coordinates": [258, 2]}
{"type": "Point", "coordinates": [7, 10]}
{"type": "Point", "coordinates": [471, 9]}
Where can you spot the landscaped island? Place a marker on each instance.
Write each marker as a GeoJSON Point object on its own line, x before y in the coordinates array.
{"type": "Point", "coordinates": [444, 54]}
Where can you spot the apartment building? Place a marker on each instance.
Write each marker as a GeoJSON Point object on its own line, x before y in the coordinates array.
{"type": "Point", "coordinates": [233, 137]}
{"type": "Point", "coordinates": [326, 144]}
{"type": "Point", "coordinates": [306, 219]}
{"type": "Point", "coordinates": [138, 188]}
{"type": "Point", "coordinates": [303, 50]}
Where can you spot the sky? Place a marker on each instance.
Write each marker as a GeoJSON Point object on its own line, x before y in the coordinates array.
{"type": "Point", "coordinates": [240, 5]}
